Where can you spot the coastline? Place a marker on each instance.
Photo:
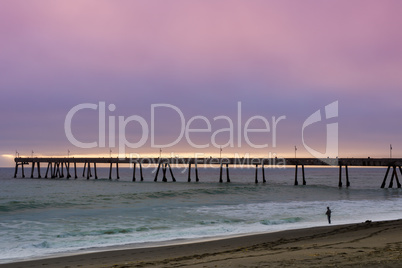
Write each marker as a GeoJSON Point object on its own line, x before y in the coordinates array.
{"type": "Point", "coordinates": [369, 244]}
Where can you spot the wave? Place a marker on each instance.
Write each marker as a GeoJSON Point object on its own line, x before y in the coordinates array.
{"type": "Point", "coordinates": [13, 206]}
{"type": "Point", "coordinates": [44, 244]}
{"type": "Point", "coordinates": [281, 221]}
{"type": "Point", "coordinates": [97, 232]}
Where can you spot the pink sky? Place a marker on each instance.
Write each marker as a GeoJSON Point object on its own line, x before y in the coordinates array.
{"type": "Point", "coordinates": [276, 57]}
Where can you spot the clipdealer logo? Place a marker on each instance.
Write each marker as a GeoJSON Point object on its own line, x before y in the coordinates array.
{"type": "Point", "coordinates": [331, 148]}
{"type": "Point", "coordinates": [109, 124]}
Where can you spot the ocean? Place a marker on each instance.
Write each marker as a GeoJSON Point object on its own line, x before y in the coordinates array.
{"type": "Point", "coordinates": [46, 217]}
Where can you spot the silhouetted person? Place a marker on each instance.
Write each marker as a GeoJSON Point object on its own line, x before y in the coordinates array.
{"type": "Point", "coordinates": [328, 213]}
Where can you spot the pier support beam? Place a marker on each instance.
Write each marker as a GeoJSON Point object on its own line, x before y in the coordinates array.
{"type": "Point", "coordinates": [142, 178]}
{"type": "Point", "coordinates": [196, 172]}
{"type": "Point", "coordinates": [397, 180]}
{"type": "Point", "coordinates": [385, 177]}
{"type": "Point", "coordinates": [62, 169]}
{"type": "Point", "coordinates": [263, 172]}
{"type": "Point", "coordinates": [32, 169]}
{"type": "Point", "coordinates": [340, 175]}
{"type": "Point", "coordinates": [22, 167]}
{"type": "Point", "coordinates": [391, 183]}
{"type": "Point", "coordinates": [117, 170]}
{"type": "Point", "coordinates": [110, 170]}
{"type": "Point", "coordinates": [96, 173]}
{"type": "Point", "coordinates": [134, 171]}
{"type": "Point", "coordinates": [220, 176]}
{"type": "Point", "coordinates": [55, 170]}
{"type": "Point", "coordinates": [88, 170]}
{"type": "Point", "coordinates": [157, 172]}
{"type": "Point", "coordinates": [75, 170]}
{"type": "Point", "coordinates": [165, 165]}
{"type": "Point", "coordinates": [16, 170]}
{"type": "Point", "coordinates": [164, 179]}
{"type": "Point", "coordinates": [227, 173]}
{"type": "Point", "coordinates": [171, 173]}
{"type": "Point", "coordinates": [39, 176]}
{"type": "Point", "coordinates": [303, 175]}
{"type": "Point", "coordinates": [68, 169]}
{"type": "Point", "coordinates": [256, 173]}
{"type": "Point", "coordinates": [85, 166]}
{"type": "Point", "coordinates": [189, 172]}
{"type": "Point", "coordinates": [49, 165]}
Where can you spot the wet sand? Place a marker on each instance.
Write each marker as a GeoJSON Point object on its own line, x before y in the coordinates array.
{"type": "Point", "coordinates": [370, 244]}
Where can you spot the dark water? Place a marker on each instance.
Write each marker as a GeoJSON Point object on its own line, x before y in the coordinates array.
{"type": "Point", "coordinates": [39, 217]}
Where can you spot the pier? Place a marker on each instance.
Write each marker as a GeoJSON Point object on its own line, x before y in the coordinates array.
{"type": "Point", "coordinates": [59, 167]}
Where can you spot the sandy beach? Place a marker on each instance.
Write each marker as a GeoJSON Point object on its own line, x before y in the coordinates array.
{"type": "Point", "coordinates": [368, 244]}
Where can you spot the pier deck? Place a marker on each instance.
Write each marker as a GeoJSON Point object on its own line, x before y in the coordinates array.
{"type": "Point", "coordinates": [57, 165]}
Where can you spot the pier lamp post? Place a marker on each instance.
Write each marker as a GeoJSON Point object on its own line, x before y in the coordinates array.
{"type": "Point", "coordinates": [110, 153]}
{"type": "Point", "coordinates": [68, 153]}
{"type": "Point", "coordinates": [160, 152]}
{"type": "Point", "coordinates": [295, 150]}
{"type": "Point", "coordinates": [32, 153]}
{"type": "Point", "coordinates": [390, 151]}
{"type": "Point", "coordinates": [220, 152]}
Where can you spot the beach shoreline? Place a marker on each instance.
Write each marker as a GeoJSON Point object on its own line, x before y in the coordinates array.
{"type": "Point", "coordinates": [368, 244]}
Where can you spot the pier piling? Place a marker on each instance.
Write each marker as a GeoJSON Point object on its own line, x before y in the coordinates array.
{"type": "Point", "coordinates": [88, 170]}
{"type": "Point", "coordinates": [85, 166]}
{"type": "Point", "coordinates": [117, 170]}
{"type": "Point", "coordinates": [263, 173]}
{"type": "Point", "coordinates": [39, 176]}
{"type": "Point", "coordinates": [110, 170]}
{"type": "Point", "coordinates": [171, 173]}
{"type": "Point", "coordinates": [22, 166]}
{"type": "Point", "coordinates": [397, 180]}
{"type": "Point", "coordinates": [196, 172]}
{"type": "Point", "coordinates": [385, 177]}
{"type": "Point", "coordinates": [16, 170]}
{"type": "Point", "coordinates": [227, 173]}
{"type": "Point", "coordinates": [157, 171]}
{"type": "Point", "coordinates": [256, 173]}
{"type": "Point", "coordinates": [142, 178]}
{"type": "Point", "coordinates": [96, 173]}
{"type": "Point", "coordinates": [75, 170]}
{"type": "Point", "coordinates": [164, 179]}
{"type": "Point", "coordinates": [347, 176]}
{"type": "Point", "coordinates": [32, 169]}
{"type": "Point", "coordinates": [68, 169]}
{"type": "Point", "coordinates": [134, 171]}
{"type": "Point", "coordinates": [189, 172]}
{"type": "Point", "coordinates": [47, 170]}
{"type": "Point", "coordinates": [391, 183]}
{"type": "Point", "coordinates": [220, 174]}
